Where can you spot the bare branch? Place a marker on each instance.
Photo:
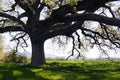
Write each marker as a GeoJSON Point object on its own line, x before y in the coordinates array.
{"type": "Point", "coordinates": [23, 5]}
{"type": "Point", "coordinates": [79, 54]}
{"type": "Point", "coordinates": [80, 44]}
{"type": "Point", "coordinates": [10, 28]}
{"type": "Point", "coordinates": [12, 18]}
{"type": "Point", "coordinates": [20, 41]}
{"type": "Point", "coordinates": [23, 15]}
{"type": "Point", "coordinates": [91, 5]}
{"type": "Point", "coordinates": [73, 42]}
{"type": "Point", "coordinates": [103, 52]}
{"type": "Point", "coordinates": [117, 44]}
{"type": "Point", "coordinates": [109, 8]}
{"type": "Point", "coordinates": [92, 17]}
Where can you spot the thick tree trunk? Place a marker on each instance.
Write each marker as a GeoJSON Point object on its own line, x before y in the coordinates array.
{"type": "Point", "coordinates": [38, 57]}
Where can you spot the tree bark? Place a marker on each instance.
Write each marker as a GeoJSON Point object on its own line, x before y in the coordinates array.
{"type": "Point", "coordinates": [38, 57]}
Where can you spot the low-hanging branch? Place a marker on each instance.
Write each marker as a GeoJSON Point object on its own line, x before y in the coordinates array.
{"type": "Point", "coordinates": [10, 29]}
{"type": "Point", "coordinates": [4, 15]}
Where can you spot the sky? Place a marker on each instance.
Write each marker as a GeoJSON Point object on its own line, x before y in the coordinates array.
{"type": "Point", "coordinates": [53, 51]}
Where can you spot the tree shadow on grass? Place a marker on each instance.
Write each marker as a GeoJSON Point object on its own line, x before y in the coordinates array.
{"type": "Point", "coordinates": [84, 72]}
{"type": "Point", "coordinates": [13, 72]}
{"type": "Point", "coordinates": [60, 71]}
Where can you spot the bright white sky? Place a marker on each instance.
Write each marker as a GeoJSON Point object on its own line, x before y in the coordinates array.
{"type": "Point", "coordinates": [53, 51]}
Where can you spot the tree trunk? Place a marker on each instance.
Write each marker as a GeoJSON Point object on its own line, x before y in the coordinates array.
{"type": "Point", "coordinates": [38, 57]}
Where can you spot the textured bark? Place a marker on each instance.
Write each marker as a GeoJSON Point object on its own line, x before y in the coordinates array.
{"type": "Point", "coordinates": [38, 57]}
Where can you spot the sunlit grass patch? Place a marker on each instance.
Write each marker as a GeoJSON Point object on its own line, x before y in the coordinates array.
{"type": "Point", "coordinates": [17, 73]}
{"type": "Point", "coordinates": [113, 74]}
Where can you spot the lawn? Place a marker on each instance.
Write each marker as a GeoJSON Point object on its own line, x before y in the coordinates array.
{"type": "Point", "coordinates": [63, 70]}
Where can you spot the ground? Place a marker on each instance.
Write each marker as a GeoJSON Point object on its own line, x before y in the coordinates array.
{"type": "Point", "coordinates": [63, 70]}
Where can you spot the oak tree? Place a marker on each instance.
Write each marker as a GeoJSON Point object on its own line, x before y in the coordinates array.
{"type": "Point", "coordinates": [44, 19]}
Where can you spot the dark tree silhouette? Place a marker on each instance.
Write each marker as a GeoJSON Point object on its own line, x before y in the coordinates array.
{"type": "Point", "coordinates": [63, 19]}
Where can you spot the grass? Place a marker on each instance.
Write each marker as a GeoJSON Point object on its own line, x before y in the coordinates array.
{"type": "Point", "coordinates": [63, 70]}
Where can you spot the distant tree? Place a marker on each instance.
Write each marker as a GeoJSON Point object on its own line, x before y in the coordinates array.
{"type": "Point", "coordinates": [1, 44]}
{"type": "Point", "coordinates": [44, 19]}
{"type": "Point", "coordinates": [13, 57]}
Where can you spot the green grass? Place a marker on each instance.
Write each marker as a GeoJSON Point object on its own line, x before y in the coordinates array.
{"type": "Point", "coordinates": [63, 70]}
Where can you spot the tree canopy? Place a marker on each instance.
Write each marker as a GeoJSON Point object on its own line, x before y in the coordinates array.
{"type": "Point", "coordinates": [44, 19]}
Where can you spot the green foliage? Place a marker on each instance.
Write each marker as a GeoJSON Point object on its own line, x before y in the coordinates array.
{"type": "Point", "coordinates": [0, 6]}
{"type": "Point", "coordinates": [13, 57]}
{"type": "Point", "coordinates": [29, 2]}
{"type": "Point", "coordinates": [63, 70]}
{"type": "Point", "coordinates": [71, 1]}
{"type": "Point", "coordinates": [1, 47]}
{"type": "Point", "coordinates": [52, 3]}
